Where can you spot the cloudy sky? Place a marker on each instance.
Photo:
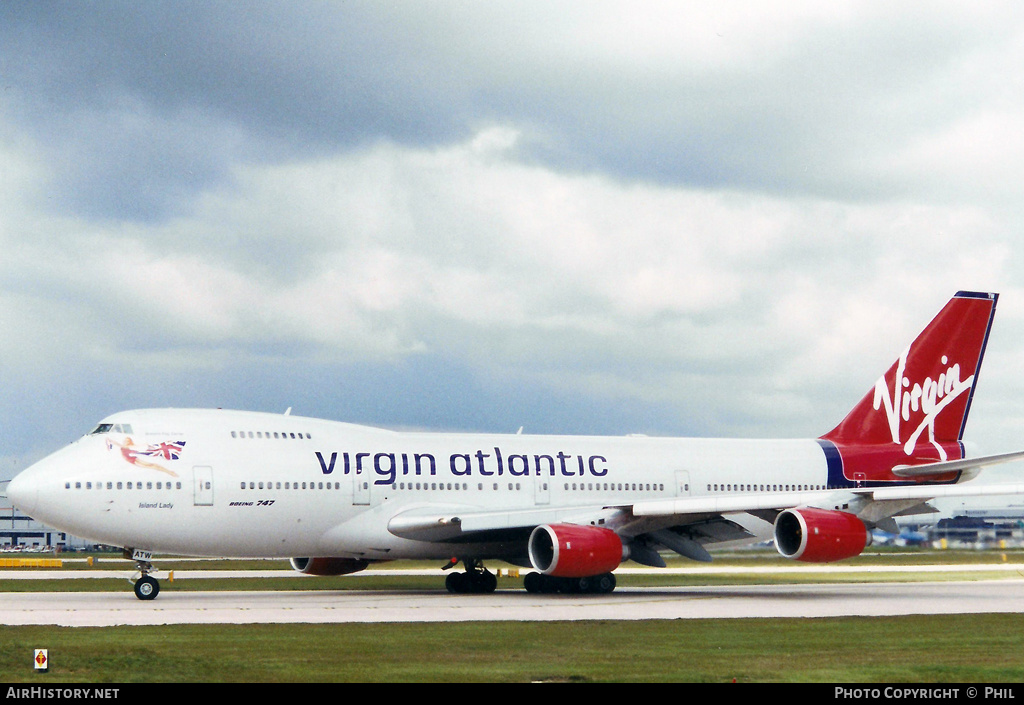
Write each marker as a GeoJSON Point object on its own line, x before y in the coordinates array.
{"type": "Point", "coordinates": [687, 218]}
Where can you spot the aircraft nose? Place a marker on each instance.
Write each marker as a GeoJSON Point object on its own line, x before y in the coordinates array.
{"type": "Point", "coordinates": [23, 493]}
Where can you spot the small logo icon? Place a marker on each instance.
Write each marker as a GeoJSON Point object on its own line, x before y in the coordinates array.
{"type": "Point", "coordinates": [41, 660]}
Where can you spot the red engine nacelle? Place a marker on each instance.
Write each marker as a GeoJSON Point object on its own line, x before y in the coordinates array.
{"type": "Point", "coordinates": [571, 551]}
{"type": "Point", "coordinates": [820, 535]}
{"type": "Point", "coordinates": [328, 566]}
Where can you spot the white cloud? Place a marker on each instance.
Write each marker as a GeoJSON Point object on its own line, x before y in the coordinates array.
{"type": "Point", "coordinates": [465, 251]}
{"type": "Point", "coordinates": [733, 213]}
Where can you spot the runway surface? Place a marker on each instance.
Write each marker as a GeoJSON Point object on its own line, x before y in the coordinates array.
{"type": "Point", "coordinates": [358, 606]}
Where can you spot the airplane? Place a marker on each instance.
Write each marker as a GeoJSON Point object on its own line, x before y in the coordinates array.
{"type": "Point", "coordinates": [336, 497]}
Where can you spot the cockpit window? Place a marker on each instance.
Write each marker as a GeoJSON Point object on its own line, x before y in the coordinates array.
{"type": "Point", "coordinates": [112, 428]}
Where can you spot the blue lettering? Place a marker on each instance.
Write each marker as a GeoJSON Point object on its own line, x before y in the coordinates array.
{"type": "Point", "coordinates": [512, 465]}
{"type": "Point", "coordinates": [551, 464]}
{"type": "Point", "coordinates": [466, 470]}
{"type": "Point", "coordinates": [388, 474]}
{"type": "Point", "coordinates": [386, 465]}
{"type": "Point", "coordinates": [480, 455]}
{"type": "Point", "coordinates": [327, 469]}
{"type": "Point", "coordinates": [419, 457]}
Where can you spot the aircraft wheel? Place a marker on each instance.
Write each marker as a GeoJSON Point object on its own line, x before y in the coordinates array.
{"type": "Point", "coordinates": [569, 586]}
{"type": "Point", "coordinates": [146, 588]}
{"type": "Point", "coordinates": [456, 582]}
{"type": "Point", "coordinates": [484, 582]}
{"type": "Point", "coordinates": [549, 585]}
{"type": "Point", "coordinates": [478, 582]}
{"type": "Point", "coordinates": [603, 584]}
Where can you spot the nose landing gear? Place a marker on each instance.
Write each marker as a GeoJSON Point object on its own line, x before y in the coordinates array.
{"type": "Point", "coordinates": [146, 586]}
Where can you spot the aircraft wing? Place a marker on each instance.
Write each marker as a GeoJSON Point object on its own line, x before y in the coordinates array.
{"type": "Point", "coordinates": [457, 525]}
{"type": "Point", "coordinates": [686, 524]}
{"type": "Point", "coordinates": [683, 525]}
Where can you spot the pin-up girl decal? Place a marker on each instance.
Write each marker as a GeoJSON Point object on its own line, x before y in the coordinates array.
{"type": "Point", "coordinates": [139, 457]}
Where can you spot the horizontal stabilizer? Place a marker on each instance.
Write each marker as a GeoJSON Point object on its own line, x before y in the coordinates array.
{"type": "Point", "coordinates": [929, 492]}
{"type": "Point", "coordinates": [949, 466]}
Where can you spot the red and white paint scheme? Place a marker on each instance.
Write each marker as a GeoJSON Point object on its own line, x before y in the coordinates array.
{"type": "Point", "coordinates": [336, 497]}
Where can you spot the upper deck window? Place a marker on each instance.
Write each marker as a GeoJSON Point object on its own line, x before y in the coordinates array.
{"type": "Point", "coordinates": [112, 428]}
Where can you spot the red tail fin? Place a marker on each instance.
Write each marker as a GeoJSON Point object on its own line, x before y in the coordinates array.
{"type": "Point", "coordinates": [921, 403]}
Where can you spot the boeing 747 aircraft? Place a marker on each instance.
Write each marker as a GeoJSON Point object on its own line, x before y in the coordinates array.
{"type": "Point", "coordinates": [336, 497]}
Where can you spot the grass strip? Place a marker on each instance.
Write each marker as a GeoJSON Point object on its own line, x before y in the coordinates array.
{"type": "Point", "coordinates": [916, 649]}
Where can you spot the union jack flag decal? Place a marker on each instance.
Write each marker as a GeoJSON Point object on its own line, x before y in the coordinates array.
{"type": "Point", "coordinates": [168, 450]}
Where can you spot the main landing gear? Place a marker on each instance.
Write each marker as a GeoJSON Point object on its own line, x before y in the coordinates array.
{"type": "Point", "coordinates": [593, 584]}
{"type": "Point", "coordinates": [478, 580]}
{"type": "Point", "coordinates": [475, 579]}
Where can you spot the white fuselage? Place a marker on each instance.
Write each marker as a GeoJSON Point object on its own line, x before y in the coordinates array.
{"type": "Point", "coordinates": [252, 484]}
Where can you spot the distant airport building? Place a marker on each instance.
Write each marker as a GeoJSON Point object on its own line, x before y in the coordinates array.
{"type": "Point", "coordinates": [981, 529]}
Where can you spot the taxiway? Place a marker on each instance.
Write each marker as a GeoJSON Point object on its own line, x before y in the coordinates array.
{"type": "Point", "coordinates": [364, 606]}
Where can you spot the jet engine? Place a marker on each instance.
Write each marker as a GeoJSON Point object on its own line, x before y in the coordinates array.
{"type": "Point", "coordinates": [572, 551]}
{"type": "Point", "coordinates": [820, 535]}
{"type": "Point", "coordinates": [328, 566]}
